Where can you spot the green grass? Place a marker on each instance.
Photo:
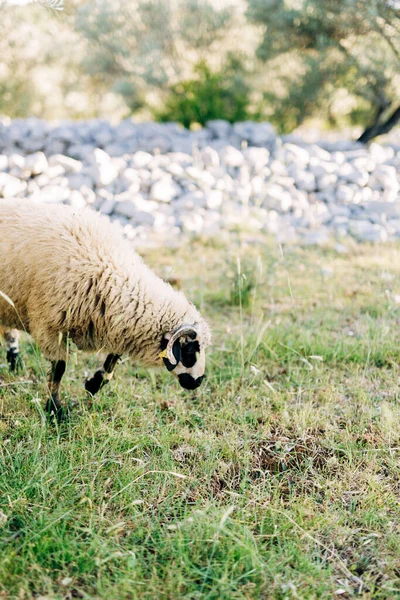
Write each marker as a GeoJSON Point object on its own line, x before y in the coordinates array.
{"type": "Point", "coordinates": [279, 478]}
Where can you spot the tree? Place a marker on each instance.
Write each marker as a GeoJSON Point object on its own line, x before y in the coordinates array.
{"type": "Point", "coordinates": [140, 48]}
{"type": "Point", "coordinates": [329, 50]}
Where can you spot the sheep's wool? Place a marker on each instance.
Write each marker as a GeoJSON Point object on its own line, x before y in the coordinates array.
{"type": "Point", "coordinates": [71, 275]}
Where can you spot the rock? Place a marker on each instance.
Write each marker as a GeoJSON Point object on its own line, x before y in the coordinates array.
{"type": "Point", "coordinates": [36, 163]}
{"type": "Point", "coordinates": [257, 134]}
{"type": "Point", "coordinates": [159, 180]}
{"type": "Point", "coordinates": [164, 190]}
{"type": "Point", "coordinates": [52, 194]}
{"type": "Point", "coordinates": [191, 222]}
{"type": "Point", "coordinates": [16, 161]}
{"type": "Point", "coordinates": [77, 180]}
{"type": "Point", "coordinates": [231, 157]}
{"type": "Point", "coordinates": [219, 128]}
{"type": "Point", "coordinates": [326, 182]}
{"type": "Point", "coordinates": [70, 165]}
{"type": "Point", "coordinates": [365, 231]}
{"type": "Point", "coordinates": [141, 159]}
{"type": "Point", "coordinates": [142, 217]}
{"type": "Point", "coordinates": [305, 181]}
{"type": "Point", "coordinates": [107, 206]}
{"type": "Point", "coordinates": [344, 194]}
{"type": "Point", "coordinates": [209, 157]}
{"type": "Point", "coordinates": [257, 158]}
{"type": "Point", "coordinates": [384, 177]}
{"type": "Point", "coordinates": [319, 237]}
{"type": "Point", "coordinates": [297, 154]}
{"type": "Point", "coordinates": [276, 198]}
{"type": "Point", "coordinates": [77, 200]}
{"type": "Point", "coordinates": [190, 200]}
{"type": "Point", "coordinates": [11, 186]}
{"type": "Point", "coordinates": [347, 174]}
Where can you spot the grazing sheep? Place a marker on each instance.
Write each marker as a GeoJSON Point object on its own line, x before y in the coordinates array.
{"type": "Point", "coordinates": [68, 274]}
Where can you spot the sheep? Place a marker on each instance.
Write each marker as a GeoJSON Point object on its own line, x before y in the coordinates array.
{"type": "Point", "coordinates": [70, 275]}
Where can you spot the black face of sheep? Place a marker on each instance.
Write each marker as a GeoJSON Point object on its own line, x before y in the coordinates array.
{"type": "Point", "coordinates": [183, 356]}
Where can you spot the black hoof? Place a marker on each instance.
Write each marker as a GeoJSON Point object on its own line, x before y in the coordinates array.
{"type": "Point", "coordinates": [95, 383]}
{"type": "Point", "coordinates": [14, 360]}
{"type": "Point", "coordinates": [55, 410]}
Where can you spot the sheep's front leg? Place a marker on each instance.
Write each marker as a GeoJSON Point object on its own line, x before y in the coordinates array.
{"type": "Point", "coordinates": [12, 347]}
{"type": "Point", "coordinates": [103, 376]}
{"type": "Point", "coordinates": [53, 405]}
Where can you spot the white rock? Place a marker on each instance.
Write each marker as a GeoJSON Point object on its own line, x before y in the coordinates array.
{"type": "Point", "coordinates": [164, 190]}
{"type": "Point", "coordinates": [344, 194]}
{"type": "Point", "coordinates": [190, 200]}
{"type": "Point", "coordinates": [3, 162]}
{"type": "Point", "coordinates": [175, 169]}
{"type": "Point", "coordinates": [191, 222]}
{"type": "Point", "coordinates": [36, 163]}
{"type": "Point", "coordinates": [380, 154]}
{"type": "Point", "coordinates": [263, 135]}
{"type": "Point", "coordinates": [277, 199]}
{"type": "Point", "coordinates": [390, 209]}
{"type": "Point", "coordinates": [219, 128]}
{"type": "Point", "coordinates": [107, 206]}
{"type": "Point", "coordinates": [348, 174]}
{"type": "Point", "coordinates": [295, 153]}
{"type": "Point", "coordinates": [231, 157]}
{"type": "Point", "coordinates": [16, 161]}
{"type": "Point", "coordinates": [319, 237]}
{"type": "Point", "coordinates": [70, 165]}
{"type": "Point", "coordinates": [52, 194]}
{"type": "Point", "coordinates": [209, 157]}
{"type": "Point", "coordinates": [103, 173]}
{"type": "Point", "coordinates": [257, 158]}
{"type": "Point", "coordinates": [365, 231]}
{"type": "Point", "coordinates": [386, 177]}
{"type": "Point", "coordinates": [76, 200]}
{"type": "Point", "coordinates": [11, 186]}
{"type": "Point", "coordinates": [77, 180]}
{"type": "Point", "coordinates": [326, 181]}
{"type": "Point", "coordinates": [214, 199]}
{"type": "Point", "coordinates": [203, 177]}
{"type": "Point", "coordinates": [305, 181]}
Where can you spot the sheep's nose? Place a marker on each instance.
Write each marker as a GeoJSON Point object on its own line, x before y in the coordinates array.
{"type": "Point", "coordinates": [188, 382]}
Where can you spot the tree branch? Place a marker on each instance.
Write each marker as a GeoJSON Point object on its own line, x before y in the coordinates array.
{"type": "Point", "coordinates": [378, 128]}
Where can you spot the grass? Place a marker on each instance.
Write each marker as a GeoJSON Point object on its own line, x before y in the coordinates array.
{"type": "Point", "coordinates": [279, 478]}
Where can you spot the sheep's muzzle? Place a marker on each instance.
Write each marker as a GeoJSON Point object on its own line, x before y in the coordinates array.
{"type": "Point", "coordinates": [188, 382]}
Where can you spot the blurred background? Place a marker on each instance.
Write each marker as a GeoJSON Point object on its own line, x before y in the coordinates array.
{"type": "Point", "coordinates": [328, 64]}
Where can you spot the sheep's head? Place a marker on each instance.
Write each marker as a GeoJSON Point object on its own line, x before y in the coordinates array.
{"type": "Point", "coordinates": [184, 353]}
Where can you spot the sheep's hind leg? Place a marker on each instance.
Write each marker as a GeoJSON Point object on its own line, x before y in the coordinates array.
{"type": "Point", "coordinates": [12, 348]}
{"type": "Point", "coordinates": [103, 376]}
{"type": "Point", "coordinates": [53, 406]}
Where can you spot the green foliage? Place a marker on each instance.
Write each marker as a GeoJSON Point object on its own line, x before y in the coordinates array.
{"type": "Point", "coordinates": [320, 48]}
{"type": "Point", "coordinates": [222, 94]}
{"type": "Point", "coordinates": [140, 47]}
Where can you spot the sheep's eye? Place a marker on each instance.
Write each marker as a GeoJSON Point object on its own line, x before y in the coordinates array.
{"type": "Point", "coordinates": [190, 353]}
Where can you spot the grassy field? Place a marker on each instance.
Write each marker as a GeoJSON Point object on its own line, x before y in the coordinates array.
{"type": "Point", "coordinates": [278, 478]}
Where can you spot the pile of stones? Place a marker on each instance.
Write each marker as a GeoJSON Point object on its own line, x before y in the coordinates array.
{"type": "Point", "coordinates": [162, 182]}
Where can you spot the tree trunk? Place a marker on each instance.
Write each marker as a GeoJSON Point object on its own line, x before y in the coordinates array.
{"type": "Point", "coordinates": [380, 127]}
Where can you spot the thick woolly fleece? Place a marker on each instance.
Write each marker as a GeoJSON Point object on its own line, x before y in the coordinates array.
{"type": "Point", "coordinates": [70, 274]}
